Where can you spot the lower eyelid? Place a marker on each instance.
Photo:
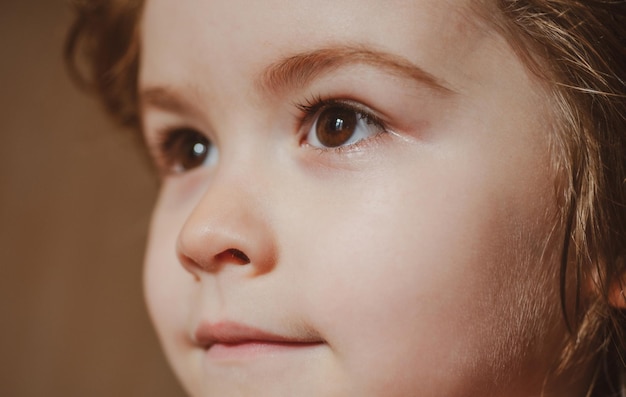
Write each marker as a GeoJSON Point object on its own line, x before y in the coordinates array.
{"type": "Point", "coordinates": [356, 147]}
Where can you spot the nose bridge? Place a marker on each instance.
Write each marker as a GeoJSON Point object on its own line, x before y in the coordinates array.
{"type": "Point", "coordinates": [229, 225]}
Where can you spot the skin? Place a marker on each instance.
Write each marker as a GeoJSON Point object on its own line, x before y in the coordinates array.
{"type": "Point", "coordinates": [416, 256]}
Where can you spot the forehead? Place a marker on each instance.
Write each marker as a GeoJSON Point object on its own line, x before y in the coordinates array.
{"type": "Point", "coordinates": [193, 37]}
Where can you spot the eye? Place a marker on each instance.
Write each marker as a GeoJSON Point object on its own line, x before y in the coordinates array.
{"type": "Point", "coordinates": [338, 124]}
{"type": "Point", "coordinates": [184, 149]}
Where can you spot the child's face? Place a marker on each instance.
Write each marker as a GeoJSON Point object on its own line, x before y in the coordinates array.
{"type": "Point", "coordinates": [376, 207]}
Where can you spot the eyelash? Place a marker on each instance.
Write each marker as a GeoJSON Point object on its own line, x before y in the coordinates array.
{"type": "Point", "coordinates": [312, 107]}
{"type": "Point", "coordinates": [164, 147]}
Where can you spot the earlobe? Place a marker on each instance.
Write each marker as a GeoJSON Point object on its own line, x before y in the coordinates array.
{"type": "Point", "coordinates": [617, 299]}
{"type": "Point", "coordinates": [617, 295]}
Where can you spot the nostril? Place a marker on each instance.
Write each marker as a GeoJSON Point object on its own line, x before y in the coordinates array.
{"type": "Point", "coordinates": [239, 255]}
{"type": "Point", "coordinates": [233, 254]}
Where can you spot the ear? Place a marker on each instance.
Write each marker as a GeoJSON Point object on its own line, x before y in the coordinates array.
{"type": "Point", "coordinates": [617, 288]}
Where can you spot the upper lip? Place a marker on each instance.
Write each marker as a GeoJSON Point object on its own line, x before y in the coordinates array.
{"type": "Point", "coordinates": [229, 332]}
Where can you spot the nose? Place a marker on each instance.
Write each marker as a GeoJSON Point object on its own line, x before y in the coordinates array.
{"type": "Point", "coordinates": [228, 228]}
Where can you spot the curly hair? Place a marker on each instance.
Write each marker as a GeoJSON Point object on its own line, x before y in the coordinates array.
{"type": "Point", "coordinates": [578, 49]}
{"type": "Point", "coordinates": [102, 54]}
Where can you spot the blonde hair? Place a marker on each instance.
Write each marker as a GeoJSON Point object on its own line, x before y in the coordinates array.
{"type": "Point", "coordinates": [578, 49]}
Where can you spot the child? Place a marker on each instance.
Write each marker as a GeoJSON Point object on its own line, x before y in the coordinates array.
{"type": "Point", "coordinates": [368, 198]}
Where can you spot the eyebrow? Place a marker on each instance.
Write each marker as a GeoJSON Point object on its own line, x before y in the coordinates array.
{"type": "Point", "coordinates": [164, 98]}
{"type": "Point", "coordinates": [299, 70]}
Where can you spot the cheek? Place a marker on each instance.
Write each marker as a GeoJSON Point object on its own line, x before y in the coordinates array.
{"type": "Point", "coordinates": [166, 285]}
{"type": "Point", "coordinates": [162, 278]}
{"type": "Point", "coordinates": [420, 272]}
{"type": "Point", "coordinates": [160, 267]}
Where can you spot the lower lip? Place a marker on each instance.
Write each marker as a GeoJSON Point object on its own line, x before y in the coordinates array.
{"type": "Point", "coordinates": [247, 350]}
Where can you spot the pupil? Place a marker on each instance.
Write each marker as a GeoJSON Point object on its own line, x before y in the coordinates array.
{"type": "Point", "coordinates": [195, 152]}
{"type": "Point", "coordinates": [335, 126]}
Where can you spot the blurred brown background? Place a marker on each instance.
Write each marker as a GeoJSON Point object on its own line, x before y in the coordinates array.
{"type": "Point", "coordinates": [75, 201]}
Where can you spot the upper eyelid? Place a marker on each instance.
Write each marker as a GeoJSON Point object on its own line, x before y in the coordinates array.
{"type": "Point", "coordinates": [161, 134]}
{"type": "Point", "coordinates": [167, 99]}
{"type": "Point", "coordinates": [312, 108]}
{"type": "Point", "coordinates": [157, 120]}
{"type": "Point", "coordinates": [162, 138]}
{"type": "Point", "coordinates": [164, 107]}
{"type": "Point", "coordinates": [160, 102]}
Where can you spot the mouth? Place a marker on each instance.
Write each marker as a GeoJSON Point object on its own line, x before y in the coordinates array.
{"type": "Point", "coordinates": [234, 341]}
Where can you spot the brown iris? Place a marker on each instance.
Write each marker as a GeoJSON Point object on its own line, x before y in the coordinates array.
{"type": "Point", "coordinates": [335, 126]}
{"type": "Point", "coordinates": [188, 149]}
